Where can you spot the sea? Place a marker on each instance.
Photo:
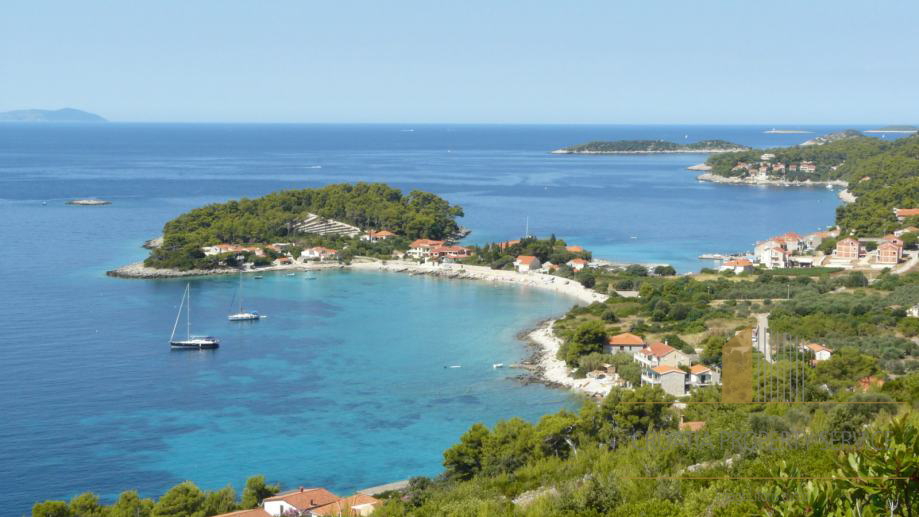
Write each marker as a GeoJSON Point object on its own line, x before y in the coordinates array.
{"type": "Point", "coordinates": [348, 382]}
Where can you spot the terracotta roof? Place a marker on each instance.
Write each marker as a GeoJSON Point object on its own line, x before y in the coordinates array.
{"type": "Point", "coordinates": [889, 244]}
{"type": "Point", "coordinates": [347, 503]}
{"type": "Point", "coordinates": [658, 349]}
{"type": "Point", "coordinates": [578, 261]}
{"type": "Point", "coordinates": [381, 233]}
{"type": "Point", "coordinates": [527, 259]}
{"type": "Point", "coordinates": [738, 263]}
{"type": "Point", "coordinates": [574, 249]}
{"type": "Point", "coordinates": [425, 243]}
{"type": "Point", "coordinates": [816, 347]}
{"type": "Point", "coordinates": [699, 368]}
{"type": "Point", "coordinates": [507, 244]}
{"type": "Point", "coordinates": [255, 512]}
{"type": "Point", "coordinates": [693, 426]}
{"type": "Point", "coordinates": [792, 236]}
{"type": "Point", "coordinates": [626, 339]}
{"type": "Point", "coordinates": [907, 212]}
{"type": "Point", "coordinates": [665, 369]}
{"type": "Point", "coordinates": [306, 498]}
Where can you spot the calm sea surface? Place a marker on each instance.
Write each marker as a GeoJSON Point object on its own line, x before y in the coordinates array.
{"type": "Point", "coordinates": [344, 384]}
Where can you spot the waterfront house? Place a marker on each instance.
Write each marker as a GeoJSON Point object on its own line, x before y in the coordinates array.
{"type": "Point", "coordinates": [319, 253]}
{"type": "Point", "coordinates": [821, 353]}
{"type": "Point", "coordinates": [381, 235]}
{"type": "Point", "coordinates": [421, 248]}
{"type": "Point", "coordinates": [807, 167]}
{"type": "Point", "coordinates": [626, 342]}
{"type": "Point", "coordinates": [548, 267]}
{"type": "Point", "coordinates": [738, 266]}
{"type": "Point", "coordinates": [670, 379]}
{"type": "Point", "coordinates": [903, 213]}
{"type": "Point", "coordinates": [577, 264]}
{"type": "Point", "coordinates": [889, 252]}
{"type": "Point", "coordinates": [778, 168]}
{"type": "Point", "coordinates": [450, 252]}
{"type": "Point", "coordinates": [219, 249]}
{"type": "Point", "coordinates": [527, 263]}
{"type": "Point", "coordinates": [773, 256]}
{"type": "Point", "coordinates": [793, 167]}
{"type": "Point", "coordinates": [282, 261]}
{"type": "Point", "coordinates": [848, 249]}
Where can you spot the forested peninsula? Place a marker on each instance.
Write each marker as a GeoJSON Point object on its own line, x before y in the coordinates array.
{"type": "Point", "coordinates": [883, 175]}
{"type": "Point", "coordinates": [650, 146]}
{"type": "Point", "coordinates": [277, 216]}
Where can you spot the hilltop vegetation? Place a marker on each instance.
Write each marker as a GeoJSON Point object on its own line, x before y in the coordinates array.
{"type": "Point", "coordinates": [882, 174]}
{"type": "Point", "coordinates": [650, 146]}
{"type": "Point", "coordinates": [270, 219]}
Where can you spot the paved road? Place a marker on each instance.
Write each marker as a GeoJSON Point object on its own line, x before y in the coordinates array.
{"type": "Point", "coordinates": [762, 336]}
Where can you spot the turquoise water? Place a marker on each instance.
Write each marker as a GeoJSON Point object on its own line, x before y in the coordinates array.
{"type": "Point", "coordinates": [344, 384]}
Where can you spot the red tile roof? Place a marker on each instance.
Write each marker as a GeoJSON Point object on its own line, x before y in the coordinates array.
{"type": "Point", "coordinates": [574, 249]}
{"type": "Point", "coordinates": [658, 350]}
{"type": "Point", "coordinates": [578, 261]}
{"type": "Point", "coordinates": [526, 259]}
{"type": "Point", "coordinates": [693, 426]}
{"type": "Point", "coordinates": [816, 347]}
{"type": "Point", "coordinates": [665, 369]}
{"type": "Point", "coordinates": [907, 212]}
{"type": "Point", "coordinates": [626, 339]}
{"type": "Point", "coordinates": [255, 512]}
{"type": "Point", "coordinates": [306, 498]}
{"type": "Point", "coordinates": [347, 503]}
{"type": "Point", "coordinates": [699, 368]}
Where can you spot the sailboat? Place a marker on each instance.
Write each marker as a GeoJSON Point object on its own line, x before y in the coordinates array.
{"type": "Point", "coordinates": [243, 315]}
{"type": "Point", "coordinates": [190, 342]}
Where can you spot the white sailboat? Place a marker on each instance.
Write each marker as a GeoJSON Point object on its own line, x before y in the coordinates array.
{"type": "Point", "coordinates": [193, 342]}
{"type": "Point", "coordinates": [243, 315]}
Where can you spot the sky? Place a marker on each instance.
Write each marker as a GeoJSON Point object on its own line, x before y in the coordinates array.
{"type": "Point", "coordinates": [469, 61]}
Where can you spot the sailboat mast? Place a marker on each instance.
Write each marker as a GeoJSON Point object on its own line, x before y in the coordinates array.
{"type": "Point", "coordinates": [240, 291]}
{"type": "Point", "coordinates": [188, 308]}
{"type": "Point", "coordinates": [178, 315]}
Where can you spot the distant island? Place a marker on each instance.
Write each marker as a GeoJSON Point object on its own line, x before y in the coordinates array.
{"type": "Point", "coordinates": [61, 115]}
{"type": "Point", "coordinates": [775, 131]}
{"type": "Point", "coordinates": [651, 146]}
{"type": "Point", "coordinates": [894, 129]}
{"type": "Point", "coordinates": [835, 137]}
{"type": "Point", "coordinates": [89, 202]}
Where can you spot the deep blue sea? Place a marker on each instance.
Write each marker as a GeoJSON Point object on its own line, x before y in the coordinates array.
{"type": "Point", "coordinates": [344, 384]}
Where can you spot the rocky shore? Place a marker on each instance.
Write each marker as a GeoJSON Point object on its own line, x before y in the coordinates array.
{"type": "Point", "coordinates": [140, 271]}
{"type": "Point", "coordinates": [846, 196]}
{"type": "Point", "coordinates": [714, 178]}
{"type": "Point", "coordinates": [553, 371]}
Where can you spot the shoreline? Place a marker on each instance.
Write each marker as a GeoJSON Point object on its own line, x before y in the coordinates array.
{"type": "Point", "coordinates": [548, 369]}
{"type": "Point", "coordinates": [552, 371]}
{"type": "Point", "coordinates": [688, 151]}
{"type": "Point", "coordinates": [714, 178]}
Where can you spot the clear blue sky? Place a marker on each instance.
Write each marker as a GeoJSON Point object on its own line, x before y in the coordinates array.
{"type": "Point", "coordinates": [499, 61]}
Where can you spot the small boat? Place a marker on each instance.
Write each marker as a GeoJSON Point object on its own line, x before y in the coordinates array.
{"type": "Point", "coordinates": [190, 342]}
{"type": "Point", "coordinates": [633, 237]}
{"type": "Point", "coordinates": [453, 366]}
{"type": "Point", "coordinates": [829, 187]}
{"type": "Point", "coordinates": [498, 365]}
{"type": "Point", "coordinates": [258, 277]}
{"type": "Point", "coordinates": [291, 274]}
{"type": "Point", "coordinates": [243, 315]}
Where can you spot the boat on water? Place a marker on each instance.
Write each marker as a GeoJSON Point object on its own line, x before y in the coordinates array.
{"type": "Point", "coordinates": [190, 342]}
{"type": "Point", "coordinates": [242, 314]}
{"type": "Point", "coordinates": [498, 365]}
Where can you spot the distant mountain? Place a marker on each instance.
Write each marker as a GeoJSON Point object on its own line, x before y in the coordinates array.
{"type": "Point", "coordinates": [61, 115]}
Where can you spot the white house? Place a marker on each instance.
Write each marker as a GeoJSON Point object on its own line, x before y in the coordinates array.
{"type": "Point", "coordinates": [577, 264]}
{"type": "Point", "coordinates": [625, 342]}
{"type": "Point", "coordinates": [421, 248]}
{"type": "Point", "coordinates": [821, 353]}
{"type": "Point", "coordinates": [318, 253]}
{"type": "Point", "coordinates": [527, 263]}
{"type": "Point", "coordinates": [737, 266]}
{"type": "Point", "coordinates": [381, 235]}
{"type": "Point", "coordinates": [312, 502]}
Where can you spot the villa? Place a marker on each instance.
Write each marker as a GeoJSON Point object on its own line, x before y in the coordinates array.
{"type": "Point", "coordinates": [807, 167]}
{"type": "Point", "coordinates": [889, 252]}
{"type": "Point", "coordinates": [670, 379]}
{"type": "Point", "coordinates": [701, 376]}
{"type": "Point", "coordinates": [527, 263]}
{"type": "Point", "coordinates": [577, 264]}
{"type": "Point", "coordinates": [311, 502]}
{"type": "Point", "coordinates": [625, 342]}
{"type": "Point", "coordinates": [450, 252]}
{"type": "Point", "coordinates": [421, 248]}
{"type": "Point", "coordinates": [848, 249]}
{"type": "Point", "coordinates": [660, 354]}
{"type": "Point", "coordinates": [219, 249]}
{"type": "Point", "coordinates": [282, 261]}
{"type": "Point", "coordinates": [381, 235]}
{"type": "Point", "coordinates": [318, 253]}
